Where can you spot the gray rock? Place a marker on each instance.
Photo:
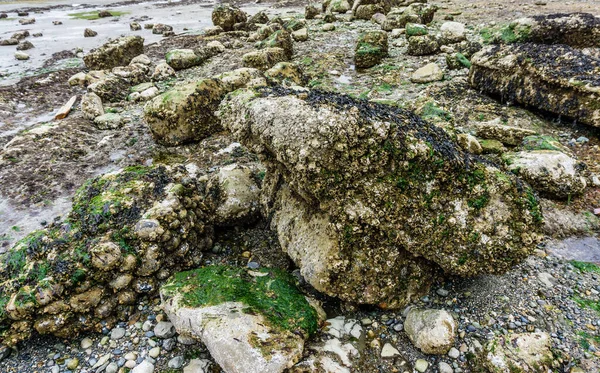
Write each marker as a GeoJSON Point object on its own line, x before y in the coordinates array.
{"type": "Point", "coordinates": [117, 333]}
{"type": "Point", "coordinates": [431, 331]}
{"type": "Point", "coordinates": [176, 362]}
{"type": "Point", "coordinates": [144, 367]}
{"type": "Point", "coordinates": [164, 329]}
{"type": "Point", "coordinates": [108, 121]}
{"type": "Point", "coordinates": [91, 106]}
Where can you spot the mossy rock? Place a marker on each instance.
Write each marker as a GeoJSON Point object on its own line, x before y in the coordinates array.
{"type": "Point", "coordinates": [371, 47]}
{"type": "Point", "coordinates": [415, 29]}
{"type": "Point", "coordinates": [279, 39]}
{"type": "Point", "coordinates": [180, 59]}
{"type": "Point", "coordinates": [118, 52]}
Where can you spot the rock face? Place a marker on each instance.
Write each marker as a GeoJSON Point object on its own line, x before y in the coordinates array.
{"type": "Point", "coordinates": [552, 78]}
{"type": "Point", "coordinates": [118, 52]}
{"type": "Point", "coordinates": [360, 194]}
{"type": "Point", "coordinates": [212, 304]}
{"type": "Point", "coordinates": [578, 30]}
{"type": "Point", "coordinates": [371, 47]}
{"type": "Point", "coordinates": [126, 231]}
{"type": "Point", "coordinates": [519, 353]}
{"type": "Point", "coordinates": [185, 113]}
{"type": "Point", "coordinates": [226, 16]}
{"type": "Point", "coordinates": [431, 331]}
{"type": "Point", "coordinates": [550, 172]}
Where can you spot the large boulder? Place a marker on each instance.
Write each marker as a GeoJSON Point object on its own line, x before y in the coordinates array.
{"type": "Point", "coordinates": [370, 48]}
{"type": "Point", "coordinates": [369, 200]}
{"type": "Point", "coordinates": [186, 112]}
{"type": "Point", "coordinates": [552, 78]}
{"type": "Point", "coordinates": [118, 52]}
{"type": "Point", "coordinates": [226, 16]}
{"type": "Point", "coordinates": [126, 231]}
{"type": "Point", "coordinates": [250, 321]}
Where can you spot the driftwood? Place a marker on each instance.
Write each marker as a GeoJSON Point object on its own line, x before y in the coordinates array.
{"type": "Point", "coordinates": [66, 108]}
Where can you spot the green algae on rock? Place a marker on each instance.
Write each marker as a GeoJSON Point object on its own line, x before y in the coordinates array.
{"type": "Point", "coordinates": [118, 52]}
{"type": "Point", "coordinates": [126, 231]}
{"type": "Point", "coordinates": [370, 201]}
{"type": "Point", "coordinates": [371, 47]}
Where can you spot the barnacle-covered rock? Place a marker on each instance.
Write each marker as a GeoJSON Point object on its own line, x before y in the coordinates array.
{"type": "Point", "coordinates": [552, 78]}
{"type": "Point", "coordinates": [118, 52]}
{"type": "Point", "coordinates": [126, 231]}
{"type": "Point", "coordinates": [370, 201]}
{"type": "Point", "coordinates": [370, 48]}
{"type": "Point", "coordinates": [226, 16]}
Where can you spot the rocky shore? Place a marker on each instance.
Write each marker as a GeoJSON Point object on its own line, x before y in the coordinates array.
{"type": "Point", "coordinates": [404, 186]}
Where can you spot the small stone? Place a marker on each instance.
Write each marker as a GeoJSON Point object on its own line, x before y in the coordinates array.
{"type": "Point", "coordinates": [117, 333]}
{"type": "Point", "coordinates": [427, 74]}
{"type": "Point", "coordinates": [86, 343]}
{"type": "Point", "coordinates": [164, 330]}
{"type": "Point", "coordinates": [73, 363]}
{"type": "Point", "coordinates": [89, 33]}
{"type": "Point", "coordinates": [144, 367]}
{"type": "Point", "coordinates": [454, 353]}
{"type": "Point", "coordinates": [112, 368]}
{"type": "Point", "coordinates": [176, 362]}
{"type": "Point", "coordinates": [421, 365]}
{"type": "Point", "coordinates": [21, 56]}
{"type": "Point", "coordinates": [153, 353]}
{"type": "Point", "coordinates": [328, 27]}
{"type": "Point", "coordinates": [445, 367]}
{"type": "Point", "coordinates": [442, 292]}
{"type": "Point", "coordinates": [389, 351]}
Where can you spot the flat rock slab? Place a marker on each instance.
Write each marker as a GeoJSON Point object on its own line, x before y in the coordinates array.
{"type": "Point", "coordinates": [584, 249]}
{"type": "Point", "coordinates": [552, 78]}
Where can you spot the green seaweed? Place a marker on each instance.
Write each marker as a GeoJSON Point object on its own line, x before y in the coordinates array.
{"type": "Point", "coordinates": [92, 15]}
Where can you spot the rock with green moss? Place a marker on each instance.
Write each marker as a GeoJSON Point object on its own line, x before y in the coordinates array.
{"type": "Point", "coordinates": [543, 142]}
{"type": "Point", "coordinates": [370, 201]}
{"type": "Point", "coordinates": [279, 39]}
{"type": "Point", "coordinates": [420, 13]}
{"type": "Point", "coordinates": [251, 321]}
{"type": "Point", "coordinates": [336, 6]}
{"type": "Point", "coordinates": [367, 11]}
{"type": "Point", "coordinates": [416, 29]}
{"type": "Point", "coordinates": [422, 45]}
{"type": "Point", "coordinates": [491, 146]}
{"type": "Point", "coordinates": [126, 231]}
{"type": "Point", "coordinates": [553, 78]}
{"type": "Point", "coordinates": [579, 30]}
{"type": "Point", "coordinates": [226, 16]}
{"type": "Point", "coordinates": [526, 352]}
{"type": "Point", "coordinates": [118, 52]}
{"type": "Point", "coordinates": [108, 121]}
{"type": "Point", "coordinates": [311, 11]}
{"type": "Point", "coordinates": [371, 47]}
{"type": "Point", "coordinates": [185, 113]}
{"type": "Point", "coordinates": [180, 59]}
{"type": "Point", "coordinates": [457, 61]}
{"type": "Point", "coordinates": [264, 59]}
{"type": "Point", "coordinates": [550, 172]}
{"type": "Point", "coordinates": [285, 72]}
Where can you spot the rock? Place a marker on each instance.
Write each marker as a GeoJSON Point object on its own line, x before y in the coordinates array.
{"type": "Point", "coordinates": [134, 26]}
{"type": "Point", "coordinates": [495, 130]}
{"type": "Point", "coordinates": [161, 29]}
{"type": "Point", "coordinates": [421, 365]}
{"type": "Point", "coordinates": [20, 35]}
{"type": "Point", "coordinates": [22, 56]}
{"type": "Point", "coordinates": [522, 352]}
{"type": "Point", "coordinates": [415, 29]}
{"type": "Point", "coordinates": [427, 74]}
{"type": "Point", "coordinates": [452, 32]}
{"type": "Point", "coordinates": [197, 366]}
{"type": "Point", "coordinates": [491, 146]}
{"type": "Point", "coordinates": [262, 341]}
{"type": "Point", "coordinates": [89, 33]}
{"type": "Point", "coordinates": [79, 79]}
{"type": "Point", "coordinates": [226, 16]}
{"type": "Point", "coordinates": [431, 331]}
{"type": "Point", "coordinates": [118, 52]}
{"type": "Point", "coordinates": [550, 172]}
{"type": "Point", "coordinates": [3, 15]}
{"type": "Point", "coordinates": [243, 77]}
{"type": "Point", "coordinates": [180, 59]}
{"type": "Point", "coordinates": [469, 143]}
{"type": "Point", "coordinates": [57, 23]}
{"type": "Point", "coordinates": [556, 79]}
{"type": "Point", "coordinates": [239, 195]}
{"type": "Point", "coordinates": [279, 39]}
{"type": "Point", "coordinates": [457, 61]}
{"type": "Point", "coordinates": [328, 27]}
{"type": "Point", "coordinates": [367, 11]}
{"type": "Point", "coordinates": [112, 368]}
{"type": "Point", "coordinates": [154, 352]}
{"type": "Point", "coordinates": [108, 121]}
{"type": "Point", "coordinates": [260, 18]}
{"type": "Point", "coordinates": [141, 59]}
{"type": "Point", "coordinates": [370, 48]}
{"type": "Point", "coordinates": [265, 58]}
{"type": "Point", "coordinates": [422, 45]}
{"type": "Point", "coordinates": [143, 367]}
{"type": "Point", "coordinates": [378, 18]}
{"type": "Point", "coordinates": [10, 41]}
{"type": "Point", "coordinates": [164, 330]}
{"type": "Point", "coordinates": [27, 21]}
{"type": "Point", "coordinates": [176, 362]}
{"type": "Point", "coordinates": [579, 30]}
{"type": "Point", "coordinates": [26, 45]}
{"type": "Point", "coordinates": [213, 30]}
{"type": "Point", "coordinates": [162, 71]}
{"type": "Point", "coordinates": [86, 343]}
{"type": "Point", "coordinates": [300, 35]}
{"type": "Point", "coordinates": [454, 353]}
{"type": "Point", "coordinates": [110, 88]}
{"type": "Point", "coordinates": [91, 106]}
{"type": "Point", "coordinates": [389, 351]}
{"type": "Point", "coordinates": [104, 14]}
{"type": "Point", "coordinates": [445, 367]}
{"type": "Point", "coordinates": [285, 72]}
{"type": "Point", "coordinates": [215, 47]}
{"type": "Point", "coordinates": [337, 6]}
{"type": "Point", "coordinates": [330, 226]}
{"type": "Point", "coordinates": [185, 113]}
{"type": "Point", "coordinates": [311, 11]}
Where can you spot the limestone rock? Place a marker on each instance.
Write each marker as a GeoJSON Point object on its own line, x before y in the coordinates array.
{"type": "Point", "coordinates": [335, 213]}
{"type": "Point", "coordinates": [300, 35]}
{"type": "Point", "coordinates": [311, 11]}
{"type": "Point", "coordinates": [180, 59]}
{"type": "Point", "coordinates": [415, 29]}
{"type": "Point", "coordinates": [241, 342]}
{"type": "Point", "coordinates": [550, 172]}
{"type": "Point", "coordinates": [26, 45]}
{"type": "Point", "coordinates": [238, 193]}
{"type": "Point", "coordinates": [337, 6]}
{"type": "Point", "coordinates": [185, 113]}
{"type": "Point", "coordinates": [520, 352]}
{"type": "Point", "coordinates": [495, 130]}
{"type": "Point", "coordinates": [431, 331]}
{"type": "Point", "coordinates": [163, 71]}
{"type": "Point", "coordinates": [108, 121]}
{"type": "Point", "coordinates": [367, 11]}
{"type": "Point", "coordinates": [21, 56]}
{"type": "Point", "coordinates": [452, 32]}
{"type": "Point", "coordinates": [553, 78]}
{"type": "Point", "coordinates": [265, 58]}
{"type": "Point", "coordinates": [89, 33]}
{"type": "Point", "coordinates": [279, 39]}
{"type": "Point", "coordinates": [427, 74]}
{"type": "Point", "coordinates": [161, 29]}
{"type": "Point", "coordinates": [226, 16]}
{"type": "Point", "coordinates": [371, 47]}
{"type": "Point", "coordinates": [422, 45]}
{"type": "Point", "coordinates": [285, 72]}
{"type": "Point", "coordinates": [469, 143]}
{"type": "Point", "coordinates": [118, 52]}
{"type": "Point", "coordinates": [91, 106]}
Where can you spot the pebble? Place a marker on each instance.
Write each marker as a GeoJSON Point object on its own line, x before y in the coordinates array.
{"type": "Point", "coordinates": [117, 333]}
{"type": "Point", "coordinates": [421, 365]}
{"type": "Point", "coordinates": [176, 362]}
{"type": "Point", "coordinates": [389, 351]}
{"type": "Point", "coordinates": [164, 330]}
{"type": "Point", "coordinates": [86, 343]}
{"type": "Point", "coordinates": [112, 368]}
{"type": "Point", "coordinates": [454, 353]}
{"type": "Point", "coordinates": [144, 367]}
{"type": "Point", "coordinates": [445, 367]}
{"type": "Point", "coordinates": [154, 352]}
